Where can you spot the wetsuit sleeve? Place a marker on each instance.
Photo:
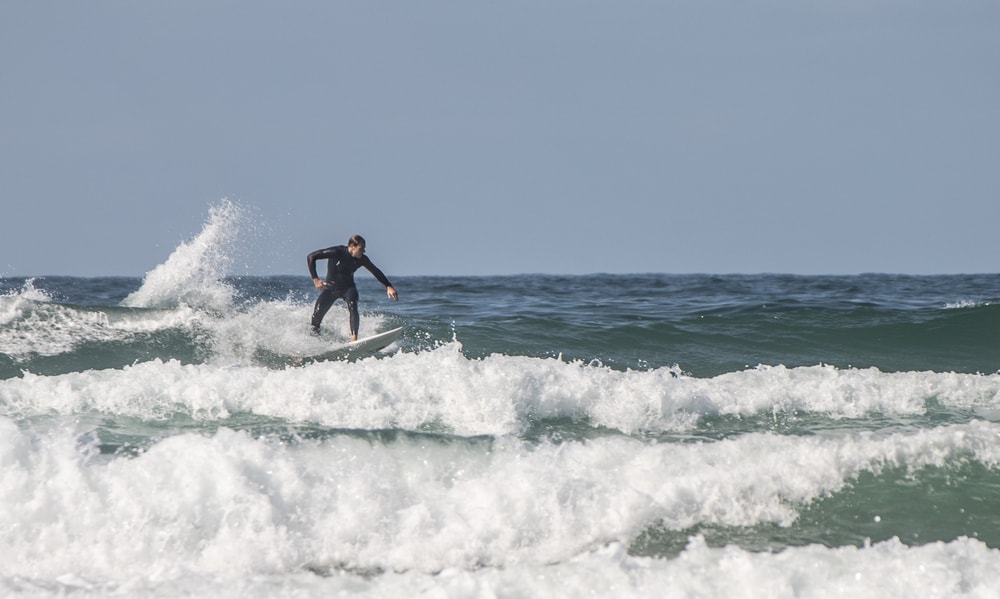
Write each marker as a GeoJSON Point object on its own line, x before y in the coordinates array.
{"type": "Point", "coordinates": [318, 255]}
{"type": "Point", "coordinates": [375, 271]}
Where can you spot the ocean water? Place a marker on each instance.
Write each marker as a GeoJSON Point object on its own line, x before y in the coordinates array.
{"type": "Point", "coordinates": [531, 436]}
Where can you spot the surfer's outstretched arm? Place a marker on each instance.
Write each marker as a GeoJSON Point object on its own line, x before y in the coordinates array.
{"type": "Point", "coordinates": [389, 289]}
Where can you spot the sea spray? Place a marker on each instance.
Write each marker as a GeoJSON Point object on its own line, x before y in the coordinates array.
{"type": "Point", "coordinates": [193, 274]}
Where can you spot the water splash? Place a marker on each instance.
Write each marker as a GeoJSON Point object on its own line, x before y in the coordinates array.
{"type": "Point", "coordinates": [192, 274]}
{"type": "Point", "coordinates": [13, 304]}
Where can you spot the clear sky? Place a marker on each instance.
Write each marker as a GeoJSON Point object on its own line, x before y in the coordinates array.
{"type": "Point", "coordinates": [473, 137]}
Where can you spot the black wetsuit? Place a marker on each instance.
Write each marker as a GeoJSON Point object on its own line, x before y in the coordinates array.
{"type": "Point", "coordinates": [340, 268]}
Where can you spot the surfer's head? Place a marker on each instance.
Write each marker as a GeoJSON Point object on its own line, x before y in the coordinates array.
{"type": "Point", "coordinates": [356, 246]}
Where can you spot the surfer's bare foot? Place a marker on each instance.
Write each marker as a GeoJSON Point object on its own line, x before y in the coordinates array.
{"type": "Point", "coordinates": [354, 337]}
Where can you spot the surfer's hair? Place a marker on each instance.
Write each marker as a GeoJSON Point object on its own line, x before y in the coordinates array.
{"type": "Point", "coordinates": [356, 240]}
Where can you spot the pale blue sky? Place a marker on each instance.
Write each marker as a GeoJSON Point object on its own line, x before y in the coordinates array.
{"type": "Point", "coordinates": [505, 137]}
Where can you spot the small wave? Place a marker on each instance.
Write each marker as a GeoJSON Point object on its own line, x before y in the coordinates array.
{"type": "Point", "coordinates": [14, 303]}
{"type": "Point", "coordinates": [496, 395]}
{"type": "Point", "coordinates": [962, 304]}
{"type": "Point", "coordinates": [52, 329]}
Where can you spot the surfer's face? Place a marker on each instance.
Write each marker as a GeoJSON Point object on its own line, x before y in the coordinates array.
{"type": "Point", "coordinates": [356, 250]}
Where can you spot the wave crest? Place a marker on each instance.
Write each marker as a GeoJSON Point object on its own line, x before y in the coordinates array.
{"type": "Point", "coordinates": [192, 275]}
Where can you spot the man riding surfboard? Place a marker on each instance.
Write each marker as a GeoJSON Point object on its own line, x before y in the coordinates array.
{"type": "Point", "coordinates": [341, 264]}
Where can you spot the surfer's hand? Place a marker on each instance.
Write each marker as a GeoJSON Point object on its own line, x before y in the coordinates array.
{"type": "Point", "coordinates": [319, 283]}
{"type": "Point", "coordinates": [391, 292]}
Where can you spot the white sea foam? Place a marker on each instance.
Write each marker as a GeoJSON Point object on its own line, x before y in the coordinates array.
{"type": "Point", "coordinates": [32, 324]}
{"type": "Point", "coordinates": [280, 329]}
{"type": "Point", "coordinates": [962, 568]}
{"type": "Point", "coordinates": [495, 395]}
{"type": "Point", "coordinates": [228, 506]}
{"type": "Point", "coordinates": [48, 329]}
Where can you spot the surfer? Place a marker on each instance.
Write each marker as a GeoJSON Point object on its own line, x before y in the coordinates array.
{"type": "Point", "coordinates": [341, 263]}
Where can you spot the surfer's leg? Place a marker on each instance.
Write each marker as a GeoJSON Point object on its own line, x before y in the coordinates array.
{"type": "Point", "coordinates": [323, 303]}
{"type": "Point", "coordinates": [351, 297]}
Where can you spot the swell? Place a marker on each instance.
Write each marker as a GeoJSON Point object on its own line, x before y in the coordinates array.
{"type": "Point", "coordinates": [732, 339]}
{"type": "Point", "coordinates": [941, 340]}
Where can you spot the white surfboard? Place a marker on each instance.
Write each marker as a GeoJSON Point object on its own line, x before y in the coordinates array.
{"type": "Point", "coordinates": [353, 349]}
{"type": "Point", "coordinates": [363, 346]}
